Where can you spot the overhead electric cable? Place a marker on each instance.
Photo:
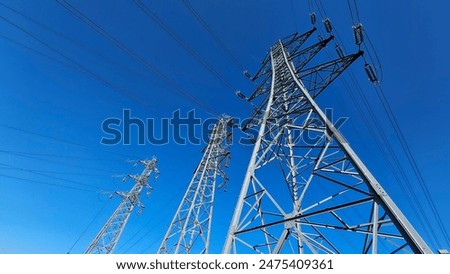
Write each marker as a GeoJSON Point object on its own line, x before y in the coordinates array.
{"type": "Point", "coordinates": [78, 66]}
{"type": "Point", "coordinates": [412, 161]}
{"type": "Point", "coordinates": [387, 143]}
{"type": "Point", "coordinates": [76, 43]}
{"type": "Point", "coordinates": [46, 183]}
{"type": "Point", "coordinates": [182, 43]}
{"type": "Point", "coordinates": [52, 177]}
{"type": "Point", "coordinates": [212, 34]}
{"type": "Point", "coordinates": [175, 87]}
{"type": "Point", "coordinates": [61, 140]}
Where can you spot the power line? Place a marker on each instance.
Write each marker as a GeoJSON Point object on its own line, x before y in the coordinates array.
{"type": "Point", "coordinates": [351, 11]}
{"type": "Point", "coordinates": [60, 156]}
{"type": "Point", "coordinates": [383, 135]}
{"type": "Point", "coordinates": [357, 10]}
{"type": "Point", "coordinates": [61, 140]}
{"type": "Point", "coordinates": [412, 161]}
{"type": "Point", "coordinates": [95, 217]}
{"type": "Point", "coordinates": [77, 66]}
{"type": "Point", "coordinates": [212, 34]}
{"type": "Point", "coordinates": [75, 42]}
{"type": "Point", "coordinates": [406, 185]}
{"type": "Point", "coordinates": [150, 245]}
{"type": "Point", "coordinates": [36, 51]}
{"type": "Point", "coordinates": [52, 177]}
{"type": "Point", "coordinates": [56, 172]}
{"type": "Point", "coordinates": [321, 8]}
{"type": "Point", "coordinates": [175, 87]}
{"type": "Point", "coordinates": [399, 134]}
{"type": "Point", "coordinates": [46, 183]}
{"type": "Point", "coordinates": [88, 226]}
{"type": "Point", "coordinates": [182, 43]}
{"type": "Point", "coordinates": [377, 59]}
{"type": "Point", "coordinates": [52, 161]}
{"type": "Point", "coordinates": [393, 156]}
{"type": "Point", "coordinates": [157, 216]}
{"type": "Point", "coordinates": [294, 16]}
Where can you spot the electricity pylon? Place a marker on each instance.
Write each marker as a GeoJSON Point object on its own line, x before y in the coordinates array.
{"type": "Point", "coordinates": [108, 237]}
{"type": "Point", "coordinates": [190, 229]}
{"type": "Point", "coordinates": [305, 189]}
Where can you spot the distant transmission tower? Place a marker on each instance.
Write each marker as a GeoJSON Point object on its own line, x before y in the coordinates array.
{"type": "Point", "coordinates": [190, 229]}
{"type": "Point", "coordinates": [108, 237]}
{"type": "Point", "coordinates": [306, 190]}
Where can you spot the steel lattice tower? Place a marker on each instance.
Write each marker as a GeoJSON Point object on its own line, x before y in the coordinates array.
{"type": "Point", "coordinates": [306, 190]}
{"type": "Point", "coordinates": [190, 229]}
{"type": "Point", "coordinates": [108, 237]}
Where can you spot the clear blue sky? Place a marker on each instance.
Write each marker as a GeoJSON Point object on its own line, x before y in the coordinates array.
{"type": "Point", "coordinates": [60, 80]}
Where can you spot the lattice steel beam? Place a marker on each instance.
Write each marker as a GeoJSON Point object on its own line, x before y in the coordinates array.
{"type": "Point", "coordinates": [330, 202]}
{"type": "Point", "coordinates": [190, 229]}
{"type": "Point", "coordinates": [108, 237]}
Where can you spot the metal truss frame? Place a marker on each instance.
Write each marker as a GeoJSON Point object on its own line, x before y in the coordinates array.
{"type": "Point", "coordinates": [331, 203]}
{"type": "Point", "coordinates": [108, 237]}
{"type": "Point", "coordinates": [190, 229]}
